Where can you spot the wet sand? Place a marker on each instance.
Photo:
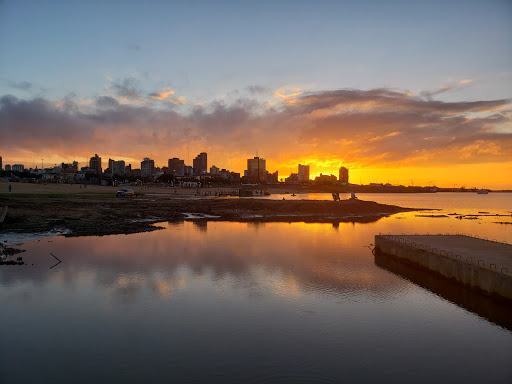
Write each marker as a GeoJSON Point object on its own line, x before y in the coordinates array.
{"type": "Point", "coordinates": [96, 211]}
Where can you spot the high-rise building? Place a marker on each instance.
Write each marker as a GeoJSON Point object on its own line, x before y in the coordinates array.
{"type": "Point", "coordinates": [111, 165]}
{"type": "Point", "coordinates": [147, 167]}
{"type": "Point", "coordinates": [176, 166]}
{"type": "Point", "coordinates": [200, 163]}
{"type": "Point", "coordinates": [7, 167]}
{"type": "Point", "coordinates": [343, 175]}
{"type": "Point", "coordinates": [256, 169]}
{"type": "Point", "coordinates": [0, 163]}
{"type": "Point", "coordinates": [18, 168]}
{"type": "Point", "coordinates": [303, 174]}
{"type": "Point", "coordinates": [75, 165]}
{"type": "Point", "coordinates": [118, 167]}
{"type": "Point", "coordinates": [95, 163]}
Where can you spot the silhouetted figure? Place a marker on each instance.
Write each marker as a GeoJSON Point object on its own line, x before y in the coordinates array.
{"type": "Point", "coordinates": [10, 187]}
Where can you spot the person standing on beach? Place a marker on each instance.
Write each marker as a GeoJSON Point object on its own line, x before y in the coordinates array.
{"type": "Point", "coordinates": [9, 187]}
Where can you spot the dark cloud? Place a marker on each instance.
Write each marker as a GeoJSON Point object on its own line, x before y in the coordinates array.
{"type": "Point", "coordinates": [22, 85]}
{"type": "Point", "coordinates": [127, 87]}
{"type": "Point", "coordinates": [368, 127]}
{"type": "Point", "coordinates": [257, 89]}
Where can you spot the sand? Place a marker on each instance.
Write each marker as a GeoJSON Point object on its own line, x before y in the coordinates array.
{"type": "Point", "coordinates": [96, 211]}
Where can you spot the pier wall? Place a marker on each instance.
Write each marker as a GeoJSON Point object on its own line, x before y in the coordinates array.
{"type": "Point", "coordinates": [461, 269]}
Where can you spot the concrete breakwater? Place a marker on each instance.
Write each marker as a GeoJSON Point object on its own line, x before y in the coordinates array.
{"type": "Point", "coordinates": [479, 263]}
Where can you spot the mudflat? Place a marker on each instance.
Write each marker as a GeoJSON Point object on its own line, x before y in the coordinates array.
{"type": "Point", "coordinates": [95, 210]}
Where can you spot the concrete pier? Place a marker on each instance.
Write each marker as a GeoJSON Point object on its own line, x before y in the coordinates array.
{"type": "Point", "coordinates": [479, 263]}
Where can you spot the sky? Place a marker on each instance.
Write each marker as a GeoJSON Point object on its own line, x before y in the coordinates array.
{"type": "Point", "coordinates": [406, 92]}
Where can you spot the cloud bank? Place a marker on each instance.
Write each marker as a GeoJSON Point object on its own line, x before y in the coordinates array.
{"type": "Point", "coordinates": [363, 128]}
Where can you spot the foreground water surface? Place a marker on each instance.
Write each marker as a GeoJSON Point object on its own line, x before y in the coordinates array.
{"type": "Point", "coordinates": [252, 303]}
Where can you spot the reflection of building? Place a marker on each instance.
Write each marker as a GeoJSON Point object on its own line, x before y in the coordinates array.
{"type": "Point", "coordinates": [256, 169]}
{"type": "Point", "coordinates": [176, 166]}
{"type": "Point", "coordinates": [343, 175]}
{"type": "Point", "coordinates": [147, 167]}
{"type": "Point", "coordinates": [200, 164]}
{"type": "Point", "coordinates": [95, 163]}
{"type": "Point", "coordinates": [303, 174]}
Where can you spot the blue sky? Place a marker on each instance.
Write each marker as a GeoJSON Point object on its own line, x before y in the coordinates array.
{"type": "Point", "coordinates": [228, 70]}
{"type": "Point", "coordinates": [205, 50]}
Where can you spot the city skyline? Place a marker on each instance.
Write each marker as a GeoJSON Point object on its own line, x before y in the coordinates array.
{"type": "Point", "coordinates": [405, 92]}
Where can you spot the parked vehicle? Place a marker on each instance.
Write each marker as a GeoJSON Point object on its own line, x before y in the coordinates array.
{"type": "Point", "coordinates": [125, 193]}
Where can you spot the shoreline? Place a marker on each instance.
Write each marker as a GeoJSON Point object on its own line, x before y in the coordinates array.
{"type": "Point", "coordinates": [97, 212]}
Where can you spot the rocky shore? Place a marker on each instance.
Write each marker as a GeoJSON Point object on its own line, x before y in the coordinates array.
{"type": "Point", "coordinates": [101, 214]}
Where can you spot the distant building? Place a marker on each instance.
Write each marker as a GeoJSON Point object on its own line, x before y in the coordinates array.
{"type": "Point", "coordinates": [256, 169]}
{"type": "Point", "coordinates": [214, 170]}
{"type": "Point", "coordinates": [200, 163]}
{"type": "Point", "coordinates": [18, 168]}
{"type": "Point", "coordinates": [111, 165]}
{"type": "Point", "coordinates": [343, 175]}
{"type": "Point", "coordinates": [293, 178]}
{"type": "Point", "coordinates": [188, 171]}
{"type": "Point", "coordinates": [326, 179]}
{"type": "Point", "coordinates": [147, 167]}
{"type": "Point", "coordinates": [75, 166]}
{"type": "Point", "coordinates": [0, 163]}
{"type": "Point", "coordinates": [119, 168]}
{"type": "Point", "coordinates": [95, 163]}
{"type": "Point", "coordinates": [176, 167]}
{"type": "Point", "coordinates": [303, 174]}
{"type": "Point", "coordinates": [7, 167]}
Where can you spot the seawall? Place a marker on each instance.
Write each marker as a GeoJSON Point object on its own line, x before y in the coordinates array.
{"type": "Point", "coordinates": [478, 263]}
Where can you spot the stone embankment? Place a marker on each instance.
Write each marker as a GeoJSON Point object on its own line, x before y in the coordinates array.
{"type": "Point", "coordinates": [479, 263]}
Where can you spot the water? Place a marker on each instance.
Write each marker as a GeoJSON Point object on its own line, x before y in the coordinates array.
{"type": "Point", "coordinates": [246, 303]}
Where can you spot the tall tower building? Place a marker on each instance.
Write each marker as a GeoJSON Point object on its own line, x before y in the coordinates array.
{"type": "Point", "coordinates": [256, 169]}
{"type": "Point", "coordinates": [1, 163]}
{"type": "Point", "coordinates": [200, 163]}
{"type": "Point", "coordinates": [95, 163]}
{"type": "Point", "coordinates": [147, 167]}
{"type": "Point", "coordinates": [343, 175]}
{"type": "Point", "coordinates": [303, 172]}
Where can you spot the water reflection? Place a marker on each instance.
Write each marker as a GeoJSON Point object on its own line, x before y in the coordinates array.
{"type": "Point", "coordinates": [494, 309]}
{"type": "Point", "coordinates": [234, 302]}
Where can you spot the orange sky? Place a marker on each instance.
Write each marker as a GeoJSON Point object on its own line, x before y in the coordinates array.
{"type": "Point", "coordinates": [381, 135]}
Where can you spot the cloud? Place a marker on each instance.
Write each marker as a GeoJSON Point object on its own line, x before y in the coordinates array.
{"type": "Point", "coordinates": [22, 85]}
{"type": "Point", "coordinates": [125, 88]}
{"type": "Point", "coordinates": [287, 92]}
{"type": "Point", "coordinates": [367, 128]}
{"type": "Point", "coordinates": [134, 47]}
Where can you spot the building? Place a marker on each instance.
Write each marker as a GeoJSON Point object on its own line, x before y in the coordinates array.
{"type": "Point", "coordinates": [147, 167]}
{"type": "Point", "coordinates": [303, 174]}
{"type": "Point", "coordinates": [95, 163]}
{"type": "Point", "coordinates": [111, 165]}
{"type": "Point", "coordinates": [293, 178]}
{"type": "Point", "coordinates": [256, 169]}
{"type": "Point", "coordinates": [176, 167]}
{"type": "Point", "coordinates": [215, 171]}
{"type": "Point", "coordinates": [18, 168]}
{"type": "Point", "coordinates": [1, 163]}
{"type": "Point", "coordinates": [343, 175]}
{"type": "Point", "coordinates": [7, 167]}
{"type": "Point", "coordinates": [118, 167]}
{"type": "Point", "coordinates": [325, 179]}
{"type": "Point", "coordinates": [200, 164]}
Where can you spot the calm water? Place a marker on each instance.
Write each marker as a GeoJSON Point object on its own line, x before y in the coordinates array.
{"type": "Point", "coordinates": [250, 303]}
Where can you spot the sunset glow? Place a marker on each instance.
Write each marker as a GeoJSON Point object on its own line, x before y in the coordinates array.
{"type": "Point", "coordinates": [323, 101]}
